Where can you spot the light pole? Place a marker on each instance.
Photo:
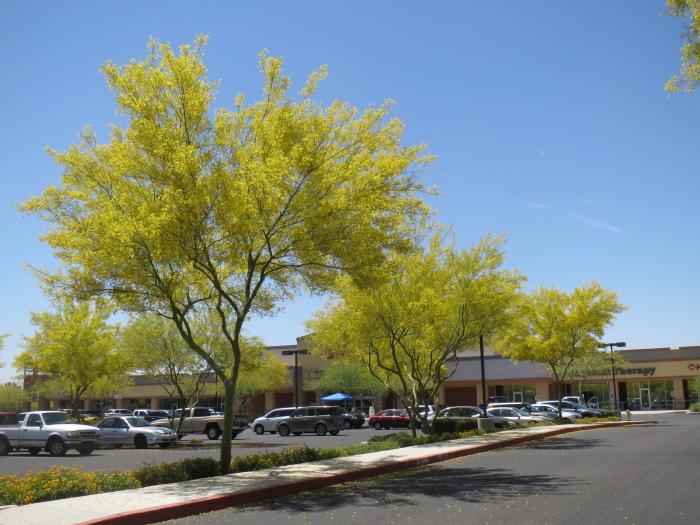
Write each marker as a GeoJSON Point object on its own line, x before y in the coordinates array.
{"type": "Point", "coordinates": [620, 344]}
{"type": "Point", "coordinates": [483, 376]}
{"type": "Point", "coordinates": [295, 353]}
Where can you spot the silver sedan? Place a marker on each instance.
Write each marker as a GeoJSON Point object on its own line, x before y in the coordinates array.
{"type": "Point", "coordinates": [131, 430]}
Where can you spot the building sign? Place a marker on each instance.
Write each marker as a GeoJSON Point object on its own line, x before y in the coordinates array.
{"type": "Point", "coordinates": [647, 371]}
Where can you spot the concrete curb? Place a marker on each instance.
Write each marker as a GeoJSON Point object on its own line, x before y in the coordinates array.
{"type": "Point", "coordinates": [242, 497]}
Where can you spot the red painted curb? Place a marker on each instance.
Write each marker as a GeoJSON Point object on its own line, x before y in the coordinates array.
{"type": "Point", "coordinates": [198, 506]}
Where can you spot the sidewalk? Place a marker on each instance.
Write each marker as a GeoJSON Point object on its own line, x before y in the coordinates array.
{"type": "Point", "coordinates": [162, 502]}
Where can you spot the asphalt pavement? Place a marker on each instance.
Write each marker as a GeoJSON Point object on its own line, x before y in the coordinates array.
{"type": "Point", "coordinates": [129, 458]}
{"type": "Point", "coordinates": [636, 475]}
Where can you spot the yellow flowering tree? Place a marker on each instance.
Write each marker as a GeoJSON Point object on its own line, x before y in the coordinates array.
{"type": "Point", "coordinates": [690, 52]}
{"type": "Point", "coordinates": [75, 346]}
{"type": "Point", "coordinates": [433, 303]}
{"type": "Point", "coordinates": [187, 209]}
{"type": "Point", "coordinates": [558, 329]}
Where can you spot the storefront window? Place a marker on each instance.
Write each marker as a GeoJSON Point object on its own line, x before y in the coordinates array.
{"type": "Point", "coordinates": [516, 393]}
{"type": "Point", "coordinates": [650, 395]}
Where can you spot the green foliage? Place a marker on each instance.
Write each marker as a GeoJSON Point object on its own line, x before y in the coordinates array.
{"type": "Point", "coordinates": [690, 52]}
{"type": "Point", "coordinates": [350, 377]}
{"type": "Point", "coordinates": [289, 456]}
{"type": "Point", "coordinates": [12, 396]}
{"type": "Point", "coordinates": [444, 426]}
{"type": "Point", "coordinates": [695, 407]}
{"type": "Point", "coordinates": [694, 386]}
{"type": "Point", "coordinates": [60, 482]}
{"type": "Point", "coordinates": [184, 470]}
{"type": "Point", "coordinates": [588, 420]}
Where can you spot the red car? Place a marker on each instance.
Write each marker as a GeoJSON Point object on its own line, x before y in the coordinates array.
{"type": "Point", "coordinates": [390, 418]}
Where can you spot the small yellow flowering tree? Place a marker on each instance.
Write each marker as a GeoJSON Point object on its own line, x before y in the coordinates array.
{"type": "Point", "coordinates": [432, 304]}
{"type": "Point", "coordinates": [187, 210]}
{"type": "Point", "coordinates": [75, 346]}
{"type": "Point", "coordinates": [557, 329]}
{"type": "Point", "coordinates": [690, 52]}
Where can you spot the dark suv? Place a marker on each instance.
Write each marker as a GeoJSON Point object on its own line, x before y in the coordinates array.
{"type": "Point", "coordinates": [313, 419]}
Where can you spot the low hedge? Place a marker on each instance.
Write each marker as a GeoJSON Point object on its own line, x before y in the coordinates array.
{"type": "Point", "coordinates": [452, 426]}
{"type": "Point", "coordinates": [695, 407]}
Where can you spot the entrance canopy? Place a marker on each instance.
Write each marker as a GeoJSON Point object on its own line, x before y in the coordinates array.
{"type": "Point", "coordinates": [337, 397]}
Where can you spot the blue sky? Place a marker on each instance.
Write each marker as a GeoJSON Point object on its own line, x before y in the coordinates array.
{"type": "Point", "coordinates": [549, 121]}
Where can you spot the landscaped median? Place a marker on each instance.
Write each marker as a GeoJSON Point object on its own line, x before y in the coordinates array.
{"type": "Point", "coordinates": [66, 482]}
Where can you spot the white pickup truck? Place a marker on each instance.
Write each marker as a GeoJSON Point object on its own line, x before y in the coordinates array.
{"type": "Point", "coordinates": [51, 431]}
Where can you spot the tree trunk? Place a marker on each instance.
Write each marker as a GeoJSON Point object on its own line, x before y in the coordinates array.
{"type": "Point", "coordinates": [225, 456]}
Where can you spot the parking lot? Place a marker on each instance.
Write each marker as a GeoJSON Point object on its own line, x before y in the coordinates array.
{"type": "Point", "coordinates": [128, 458]}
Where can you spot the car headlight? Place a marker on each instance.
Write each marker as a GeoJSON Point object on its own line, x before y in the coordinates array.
{"type": "Point", "coordinates": [73, 434]}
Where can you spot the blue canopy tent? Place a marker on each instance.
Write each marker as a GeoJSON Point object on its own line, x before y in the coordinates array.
{"type": "Point", "coordinates": [337, 397]}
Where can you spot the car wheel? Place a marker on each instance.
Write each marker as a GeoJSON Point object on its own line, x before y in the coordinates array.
{"type": "Point", "coordinates": [86, 450]}
{"type": "Point", "coordinates": [56, 447]}
{"type": "Point", "coordinates": [377, 426]}
{"type": "Point", "coordinates": [164, 445]}
{"type": "Point", "coordinates": [140, 441]}
{"type": "Point", "coordinates": [334, 432]}
{"type": "Point", "coordinates": [283, 430]}
{"type": "Point", "coordinates": [213, 432]}
{"type": "Point", "coordinates": [4, 447]}
{"type": "Point", "coordinates": [348, 425]}
{"type": "Point", "coordinates": [259, 430]}
{"type": "Point", "coordinates": [34, 450]}
{"type": "Point", "coordinates": [321, 429]}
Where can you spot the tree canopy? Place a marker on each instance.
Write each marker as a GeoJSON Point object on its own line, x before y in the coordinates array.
{"type": "Point", "coordinates": [431, 304]}
{"type": "Point", "coordinates": [349, 377]}
{"type": "Point", "coordinates": [690, 51]}
{"type": "Point", "coordinates": [76, 346]}
{"type": "Point", "coordinates": [187, 208]}
{"type": "Point", "coordinates": [558, 328]}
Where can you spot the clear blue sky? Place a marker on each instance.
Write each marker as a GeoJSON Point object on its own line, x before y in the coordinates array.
{"type": "Point", "coordinates": [548, 118]}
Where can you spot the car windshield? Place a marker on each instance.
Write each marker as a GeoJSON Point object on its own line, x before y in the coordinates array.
{"type": "Point", "coordinates": [54, 418]}
{"type": "Point", "coordinates": [137, 422]}
{"type": "Point", "coordinates": [522, 411]}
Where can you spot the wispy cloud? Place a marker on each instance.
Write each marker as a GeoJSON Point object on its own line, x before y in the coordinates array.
{"type": "Point", "coordinates": [593, 223]}
{"type": "Point", "coordinates": [537, 205]}
{"type": "Point", "coordinates": [538, 151]}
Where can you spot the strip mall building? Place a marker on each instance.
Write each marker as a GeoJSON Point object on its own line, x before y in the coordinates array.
{"type": "Point", "coordinates": [653, 378]}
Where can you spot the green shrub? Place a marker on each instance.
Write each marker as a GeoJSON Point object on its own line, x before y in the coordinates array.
{"type": "Point", "coordinates": [451, 426]}
{"type": "Point", "coordinates": [158, 474]}
{"type": "Point", "coordinates": [596, 419]}
{"type": "Point", "coordinates": [695, 407]}
{"type": "Point", "coordinates": [196, 468]}
{"type": "Point", "coordinates": [289, 456]}
{"type": "Point", "coordinates": [60, 482]}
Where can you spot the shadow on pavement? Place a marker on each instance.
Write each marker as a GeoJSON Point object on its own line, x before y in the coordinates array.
{"type": "Point", "coordinates": [561, 443]}
{"type": "Point", "coordinates": [462, 484]}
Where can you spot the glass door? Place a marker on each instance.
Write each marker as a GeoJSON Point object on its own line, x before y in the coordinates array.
{"type": "Point", "coordinates": [645, 398]}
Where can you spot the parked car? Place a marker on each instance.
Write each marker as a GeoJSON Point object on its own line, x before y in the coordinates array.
{"type": "Point", "coordinates": [132, 430]}
{"type": "Point", "coordinates": [151, 415]}
{"type": "Point", "coordinates": [584, 411]}
{"type": "Point", "coordinates": [118, 412]}
{"type": "Point", "coordinates": [390, 418]}
{"type": "Point", "coordinates": [569, 416]}
{"type": "Point", "coordinates": [353, 419]}
{"type": "Point", "coordinates": [428, 411]}
{"type": "Point", "coordinates": [513, 415]}
{"type": "Point", "coordinates": [317, 419]}
{"type": "Point", "coordinates": [496, 399]}
{"type": "Point", "coordinates": [202, 420]}
{"type": "Point", "coordinates": [269, 422]}
{"type": "Point", "coordinates": [50, 430]}
{"type": "Point", "coordinates": [473, 413]}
